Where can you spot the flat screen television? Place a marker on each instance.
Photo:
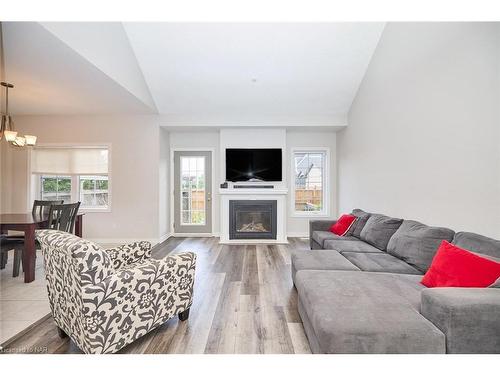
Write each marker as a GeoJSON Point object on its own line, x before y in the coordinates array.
{"type": "Point", "coordinates": [253, 164]}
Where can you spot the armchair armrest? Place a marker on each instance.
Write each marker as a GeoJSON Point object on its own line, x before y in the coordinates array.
{"type": "Point", "coordinates": [469, 317]}
{"type": "Point", "coordinates": [128, 254]}
{"type": "Point", "coordinates": [315, 225]}
{"type": "Point", "coordinates": [136, 299]}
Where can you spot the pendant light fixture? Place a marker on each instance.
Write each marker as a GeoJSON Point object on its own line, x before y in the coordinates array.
{"type": "Point", "coordinates": [7, 124]}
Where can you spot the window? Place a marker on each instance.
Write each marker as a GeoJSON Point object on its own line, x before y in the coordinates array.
{"type": "Point", "coordinates": [94, 191]}
{"type": "Point", "coordinates": [72, 174]}
{"type": "Point", "coordinates": [192, 190]}
{"type": "Point", "coordinates": [309, 178]}
{"type": "Point", "coordinates": [55, 188]}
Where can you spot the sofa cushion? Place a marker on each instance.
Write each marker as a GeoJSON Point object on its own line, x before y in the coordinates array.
{"type": "Point", "coordinates": [319, 260]}
{"type": "Point", "coordinates": [343, 224]}
{"type": "Point", "coordinates": [380, 262]}
{"type": "Point", "coordinates": [321, 236]}
{"type": "Point", "coordinates": [359, 224]}
{"type": "Point", "coordinates": [477, 243]}
{"type": "Point", "coordinates": [456, 267]}
{"type": "Point", "coordinates": [417, 243]}
{"type": "Point", "coordinates": [351, 246]}
{"type": "Point", "coordinates": [379, 229]}
{"type": "Point", "coordinates": [365, 312]}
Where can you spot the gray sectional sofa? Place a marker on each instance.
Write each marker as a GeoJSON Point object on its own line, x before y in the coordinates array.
{"type": "Point", "coordinates": [361, 293]}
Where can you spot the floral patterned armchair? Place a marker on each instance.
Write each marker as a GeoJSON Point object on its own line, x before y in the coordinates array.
{"type": "Point", "coordinates": [105, 299]}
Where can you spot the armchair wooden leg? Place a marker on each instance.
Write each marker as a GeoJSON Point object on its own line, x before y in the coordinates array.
{"type": "Point", "coordinates": [184, 315]}
{"type": "Point", "coordinates": [61, 333]}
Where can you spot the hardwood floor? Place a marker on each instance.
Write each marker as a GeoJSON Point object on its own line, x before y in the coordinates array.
{"type": "Point", "coordinates": [244, 302]}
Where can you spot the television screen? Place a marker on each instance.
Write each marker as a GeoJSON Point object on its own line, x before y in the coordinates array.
{"type": "Point", "coordinates": [253, 164]}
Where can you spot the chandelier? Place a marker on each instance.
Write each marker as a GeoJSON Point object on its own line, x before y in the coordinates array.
{"type": "Point", "coordinates": [7, 125]}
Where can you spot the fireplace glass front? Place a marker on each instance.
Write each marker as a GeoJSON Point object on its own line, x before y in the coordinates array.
{"type": "Point", "coordinates": [252, 219]}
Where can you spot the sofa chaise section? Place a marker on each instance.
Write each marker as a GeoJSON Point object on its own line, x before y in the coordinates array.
{"type": "Point", "coordinates": [319, 260]}
{"type": "Point", "coordinates": [364, 312]}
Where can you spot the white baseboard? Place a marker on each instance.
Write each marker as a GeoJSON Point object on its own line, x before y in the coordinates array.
{"type": "Point", "coordinates": [253, 242]}
{"type": "Point", "coordinates": [298, 234]}
{"type": "Point", "coordinates": [164, 237]}
{"type": "Point", "coordinates": [193, 235]}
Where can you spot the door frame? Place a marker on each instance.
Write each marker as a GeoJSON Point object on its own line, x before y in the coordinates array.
{"type": "Point", "coordinates": [172, 184]}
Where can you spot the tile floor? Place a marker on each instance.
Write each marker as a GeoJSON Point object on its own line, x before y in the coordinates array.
{"type": "Point", "coordinates": [22, 304]}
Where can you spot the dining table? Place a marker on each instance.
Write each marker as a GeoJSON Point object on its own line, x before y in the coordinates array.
{"type": "Point", "coordinates": [28, 223]}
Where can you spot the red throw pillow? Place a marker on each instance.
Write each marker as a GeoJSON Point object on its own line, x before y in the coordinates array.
{"type": "Point", "coordinates": [456, 267]}
{"type": "Point", "coordinates": [342, 225]}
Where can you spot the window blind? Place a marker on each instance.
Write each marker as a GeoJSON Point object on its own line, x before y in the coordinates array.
{"type": "Point", "coordinates": [70, 161]}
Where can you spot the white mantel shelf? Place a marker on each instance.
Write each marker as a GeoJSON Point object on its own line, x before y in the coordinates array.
{"type": "Point", "coordinates": [261, 191]}
{"type": "Point", "coordinates": [279, 195]}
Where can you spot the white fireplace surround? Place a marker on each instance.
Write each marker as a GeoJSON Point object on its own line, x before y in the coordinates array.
{"type": "Point", "coordinates": [279, 195]}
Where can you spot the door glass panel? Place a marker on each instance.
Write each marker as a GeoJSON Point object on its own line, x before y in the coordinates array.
{"type": "Point", "coordinates": [193, 192]}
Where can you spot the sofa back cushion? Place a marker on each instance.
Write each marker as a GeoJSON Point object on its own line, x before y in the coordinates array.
{"type": "Point", "coordinates": [359, 224]}
{"type": "Point", "coordinates": [416, 243]}
{"type": "Point", "coordinates": [379, 229]}
{"type": "Point", "coordinates": [477, 243]}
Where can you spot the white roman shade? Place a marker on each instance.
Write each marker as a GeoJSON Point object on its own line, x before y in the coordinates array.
{"type": "Point", "coordinates": [70, 161]}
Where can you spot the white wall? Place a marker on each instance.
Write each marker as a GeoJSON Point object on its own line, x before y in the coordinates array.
{"type": "Point", "coordinates": [423, 139]}
{"type": "Point", "coordinates": [164, 185]}
{"type": "Point", "coordinates": [299, 226]}
{"type": "Point", "coordinates": [134, 163]}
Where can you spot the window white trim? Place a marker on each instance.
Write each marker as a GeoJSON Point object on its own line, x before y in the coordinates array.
{"type": "Point", "coordinates": [34, 180]}
{"type": "Point", "coordinates": [325, 212]}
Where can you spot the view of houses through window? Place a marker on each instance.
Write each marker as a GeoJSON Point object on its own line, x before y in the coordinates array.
{"type": "Point", "coordinates": [309, 181]}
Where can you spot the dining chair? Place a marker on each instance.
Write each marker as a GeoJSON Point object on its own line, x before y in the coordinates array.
{"type": "Point", "coordinates": [63, 216]}
{"type": "Point", "coordinates": [42, 207]}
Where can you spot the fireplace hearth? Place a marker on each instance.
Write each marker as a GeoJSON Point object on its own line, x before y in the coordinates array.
{"type": "Point", "coordinates": [252, 219]}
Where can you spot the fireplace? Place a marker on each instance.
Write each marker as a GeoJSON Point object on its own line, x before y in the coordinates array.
{"type": "Point", "coordinates": [252, 219]}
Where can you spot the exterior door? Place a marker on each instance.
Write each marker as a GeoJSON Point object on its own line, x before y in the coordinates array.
{"type": "Point", "coordinates": [192, 192]}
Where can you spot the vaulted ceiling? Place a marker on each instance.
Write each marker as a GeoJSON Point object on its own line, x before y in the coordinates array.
{"type": "Point", "coordinates": [189, 72]}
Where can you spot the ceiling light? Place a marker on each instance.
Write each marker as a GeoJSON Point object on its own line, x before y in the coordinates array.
{"type": "Point", "coordinates": [7, 124]}
{"type": "Point", "coordinates": [10, 136]}
{"type": "Point", "coordinates": [30, 140]}
{"type": "Point", "coordinates": [19, 142]}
